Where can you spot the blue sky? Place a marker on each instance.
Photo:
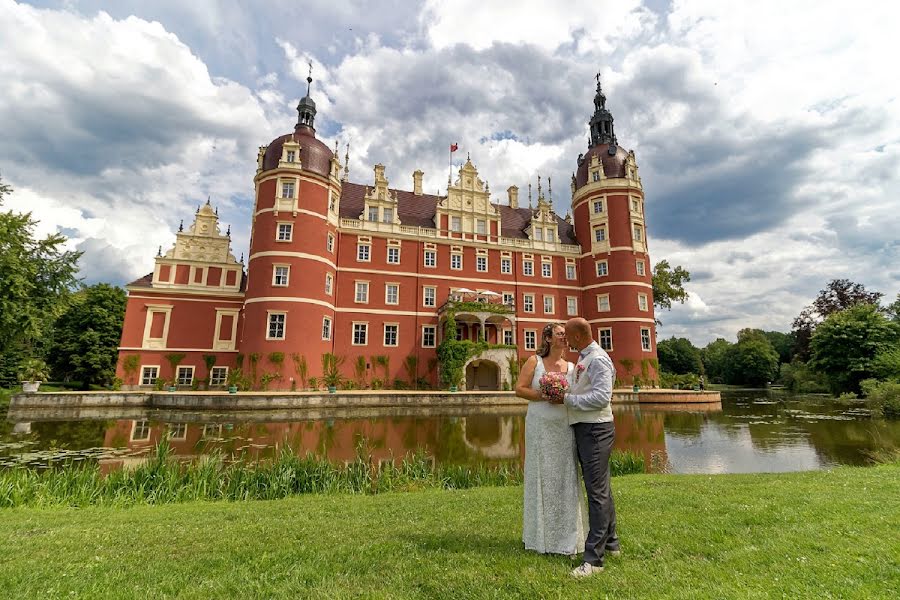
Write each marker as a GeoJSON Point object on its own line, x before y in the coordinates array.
{"type": "Point", "coordinates": [767, 133]}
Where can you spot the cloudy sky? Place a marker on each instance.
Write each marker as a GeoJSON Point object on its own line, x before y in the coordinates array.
{"type": "Point", "coordinates": [767, 133]}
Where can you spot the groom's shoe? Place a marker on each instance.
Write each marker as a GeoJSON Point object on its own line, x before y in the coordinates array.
{"type": "Point", "coordinates": [585, 570]}
{"type": "Point", "coordinates": [613, 551]}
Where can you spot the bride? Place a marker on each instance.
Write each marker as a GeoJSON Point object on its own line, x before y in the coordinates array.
{"type": "Point", "coordinates": [553, 513]}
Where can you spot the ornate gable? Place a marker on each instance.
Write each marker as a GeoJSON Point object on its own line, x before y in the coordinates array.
{"type": "Point", "coordinates": [468, 203]}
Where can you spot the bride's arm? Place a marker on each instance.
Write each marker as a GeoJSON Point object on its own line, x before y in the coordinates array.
{"type": "Point", "coordinates": [523, 385]}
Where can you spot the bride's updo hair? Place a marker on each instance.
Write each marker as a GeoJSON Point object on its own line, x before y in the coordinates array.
{"type": "Point", "coordinates": [547, 338]}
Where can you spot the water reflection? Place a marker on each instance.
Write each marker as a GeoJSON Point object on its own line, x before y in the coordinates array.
{"type": "Point", "coordinates": [748, 432]}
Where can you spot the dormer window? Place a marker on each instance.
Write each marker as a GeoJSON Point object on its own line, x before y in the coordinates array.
{"type": "Point", "coordinates": [455, 224]}
{"type": "Point", "coordinates": [373, 213]}
{"type": "Point", "coordinates": [595, 175]}
{"type": "Point", "coordinates": [480, 226]}
{"type": "Point", "coordinates": [290, 156]}
{"type": "Point", "coordinates": [550, 236]}
{"type": "Point", "coordinates": [387, 215]}
{"type": "Point", "coordinates": [538, 234]}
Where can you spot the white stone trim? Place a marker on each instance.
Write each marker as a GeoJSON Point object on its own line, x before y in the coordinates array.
{"type": "Point", "coordinates": [622, 319]}
{"type": "Point", "coordinates": [290, 299]}
{"type": "Point", "coordinates": [228, 344]}
{"type": "Point", "coordinates": [306, 255]}
{"type": "Point", "coordinates": [615, 283]}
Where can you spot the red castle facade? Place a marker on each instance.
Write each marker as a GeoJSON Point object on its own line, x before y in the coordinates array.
{"type": "Point", "coordinates": [371, 273]}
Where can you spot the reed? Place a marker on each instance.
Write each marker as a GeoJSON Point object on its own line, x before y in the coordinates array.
{"type": "Point", "coordinates": [164, 479]}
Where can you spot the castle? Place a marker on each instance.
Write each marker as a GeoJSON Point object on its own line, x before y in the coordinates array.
{"type": "Point", "coordinates": [372, 274]}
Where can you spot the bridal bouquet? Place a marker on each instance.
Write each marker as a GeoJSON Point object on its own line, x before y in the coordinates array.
{"type": "Point", "coordinates": [553, 386]}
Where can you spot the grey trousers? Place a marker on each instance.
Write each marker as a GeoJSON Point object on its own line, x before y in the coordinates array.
{"type": "Point", "coordinates": [595, 442]}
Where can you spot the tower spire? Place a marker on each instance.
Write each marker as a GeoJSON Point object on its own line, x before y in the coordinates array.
{"type": "Point", "coordinates": [346, 163]}
{"type": "Point", "coordinates": [306, 109]}
{"type": "Point", "coordinates": [601, 122]}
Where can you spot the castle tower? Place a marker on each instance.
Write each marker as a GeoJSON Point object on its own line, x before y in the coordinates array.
{"type": "Point", "coordinates": [294, 244]}
{"type": "Point", "coordinates": [608, 212]}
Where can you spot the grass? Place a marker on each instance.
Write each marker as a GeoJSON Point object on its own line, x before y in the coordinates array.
{"type": "Point", "coordinates": [823, 534]}
{"type": "Point", "coordinates": [163, 480]}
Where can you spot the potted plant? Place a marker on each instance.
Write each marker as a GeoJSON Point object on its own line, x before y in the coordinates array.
{"type": "Point", "coordinates": [232, 380]}
{"type": "Point", "coordinates": [635, 387]}
{"type": "Point", "coordinates": [32, 372]}
{"type": "Point", "coordinates": [331, 371]}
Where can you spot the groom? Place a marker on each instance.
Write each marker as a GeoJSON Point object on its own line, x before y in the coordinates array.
{"type": "Point", "coordinates": [590, 414]}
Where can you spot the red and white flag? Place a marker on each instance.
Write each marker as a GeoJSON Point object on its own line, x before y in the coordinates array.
{"type": "Point", "coordinates": [454, 147]}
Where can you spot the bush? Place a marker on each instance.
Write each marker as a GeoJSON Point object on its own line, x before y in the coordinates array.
{"type": "Point", "coordinates": [883, 397]}
{"type": "Point", "coordinates": [681, 382]}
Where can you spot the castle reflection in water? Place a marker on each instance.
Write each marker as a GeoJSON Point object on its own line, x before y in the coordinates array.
{"type": "Point", "coordinates": [469, 439]}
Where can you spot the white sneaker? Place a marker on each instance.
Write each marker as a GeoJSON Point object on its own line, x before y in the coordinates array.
{"type": "Point", "coordinates": [585, 570]}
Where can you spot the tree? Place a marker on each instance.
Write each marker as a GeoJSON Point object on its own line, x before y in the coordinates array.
{"type": "Point", "coordinates": [753, 360]}
{"type": "Point", "coordinates": [668, 285]}
{"type": "Point", "coordinates": [893, 310]}
{"type": "Point", "coordinates": [838, 295]}
{"type": "Point", "coordinates": [845, 345]}
{"type": "Point", "coordinates": [37, 278]}
{"type": "Point", "coordinates": [783, 343]}
{"type": "Point", "coordinates": [86, 336]}
{"type": "Point", "coordinates": [678, 356]}
{"type": "Point", "coordinates": [716, 358]}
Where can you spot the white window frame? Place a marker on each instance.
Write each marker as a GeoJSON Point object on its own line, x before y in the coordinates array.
{"type": "Point", "coordinates": [293, 187]}
{"type": "Point", "coordinates": [385, 213]}
{"type": "Point", "coordinates": [363, 252]}
{"type": "Point", "coordinates": [456, 257]}
{"type": "Point", "coordinates": [551, 235]}
{"type": "Point", "coordinates": [506, 265]}
{"type": "Point", "coordinates": [532, 343]}
{"type": "Point", "coordinates": [546, 269]}
{"type": "Point", "coordinates": [602, 265]}
{"type": "Point", "coordinates": [481, 227]}
{"type": "Point", "coordinates": [602, 232]}
{"type": "Point", "coordinates": [278, 232]}
{"type": "Point", "coordinates": [552, 305]}
{"type": "Point", "coordinates": [395, 250]}
{"type": "Point", "coordinates": [290, 155]}
{"type": "Point", "coordinates": [637, 232]}
{"type": "Point", "coordinates": [276, 313]}
{"type": "Point", "coordinates": [361, 285]}
{"type": "Point", "coordinates": [387, 293]}
{"type": "Point", "coordinates": [600, 331]}
{"type": "Point", "coordinates": [507, 337]}
{"type": "Point", "coordinates": [178, 377]}
{"type": "Point", "coordinates": [327, 328]}
{"type": "Point", "coordinates": [509, 298]}
{"type": "Point", "coordinates": [595, 175]}
{"type": "Point", "coordinates": [277, 272]}
{"type": "Point", "coordinates": [528, 267]}
{"type": "Point", "coordinates": [481, 264]}
{"type": "Point", "coordinates": [145, 380]}
{"type": "Point", "coordinates": [364, 328]}
{"type": "Point", "coordinates": [642, 302]}
{"type": "Point", "coordinates": [329, 243]}
{"type": "Point", "coordinates": [571, 272]}
{"type": "Point", "coordinates": [430, 254]}
{"type": "Point", "coordinates": [144, 428]}
{"type": "Point", "coordinates": [329, 284]}
{"type": "Point", "coordinates": [639, 268]}
{"type": "Point", "coordinates": [425, 296]}
{"type": "Point", "coordinates": [601, 303]}
{"type": "Point", "coordinates": [598, 204]}
{"type": "Point", "coordinates": [221, 379]}
{"type": "Point", "coordinates": [433, 331]}
{"type": "Point", "coordinates": [372, 210]}
{"type": "Point", "coordinates": [526, 300]}
{"type": "Point", "coordinates": [456, 224]}
{"type": "Point", "coordinates": [572, 306]}
{"type": "Point", "coordinates": [384, 335]}
{"type": "Point", "coordinates": [539, 234]}
{"type": "Point", "coordinates": [645, 336]}
{"type": "Point", "coordinates": [178, 431]}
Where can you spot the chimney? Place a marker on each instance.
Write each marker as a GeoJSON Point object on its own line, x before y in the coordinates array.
{"type": "Point", "coordinates": [417, 182]}
{"type": "Point", "coordinates": [513, 192]}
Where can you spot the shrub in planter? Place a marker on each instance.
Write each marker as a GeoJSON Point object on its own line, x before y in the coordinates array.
{"type": "Point", "coordinates": [32, 372]}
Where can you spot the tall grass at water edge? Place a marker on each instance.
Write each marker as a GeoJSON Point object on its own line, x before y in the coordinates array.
{"type": "Point", "coordinates": [165, 479]}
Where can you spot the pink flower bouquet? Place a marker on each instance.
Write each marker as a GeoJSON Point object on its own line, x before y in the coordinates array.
{"type": "Point", "coordinates": [553, 386]}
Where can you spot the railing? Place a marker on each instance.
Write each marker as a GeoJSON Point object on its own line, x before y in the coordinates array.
{"type": "Point", "coordinates": [457, 306]}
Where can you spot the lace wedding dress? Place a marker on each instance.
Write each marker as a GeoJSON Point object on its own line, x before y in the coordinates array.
{"type": "Point", "coordinates": [553, 512]}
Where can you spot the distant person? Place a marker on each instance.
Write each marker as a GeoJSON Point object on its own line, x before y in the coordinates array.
{"type": "Point", "coordinates": [552, 515]}
{"type": "Point", "coordinates": [702, 384]}
{"type": "Point", "coordinates": [590, 413]}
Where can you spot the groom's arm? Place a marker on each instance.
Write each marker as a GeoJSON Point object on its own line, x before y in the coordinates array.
{"type": "Point", "coordinates": [599, 373]}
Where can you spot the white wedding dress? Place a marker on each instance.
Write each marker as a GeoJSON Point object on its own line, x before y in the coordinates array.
{"type": "Point", "coordinates": [553, 511]}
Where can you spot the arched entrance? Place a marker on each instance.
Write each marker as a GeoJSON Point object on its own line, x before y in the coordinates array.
{"type": "Point", "coordinates": [482, 375]}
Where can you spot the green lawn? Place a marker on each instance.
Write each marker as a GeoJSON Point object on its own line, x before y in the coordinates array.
{"type": "Point", "coordinates": [826, 534]}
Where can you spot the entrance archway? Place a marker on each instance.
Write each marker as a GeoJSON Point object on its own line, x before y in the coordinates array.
{"type": "Point", "coordinates": [482, 375]}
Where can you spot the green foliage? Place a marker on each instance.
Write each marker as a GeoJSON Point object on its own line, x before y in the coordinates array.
{"type": "Point", "coordinates": [359, 371]}
{"type": "Point", "coordinates": [453, 356]}
{"type": "Point", "coordinates": [783, 343]}
{"type": "Point", "coordinates": [37, 278]}
{"type": "Point", "coordinates": [277, 359]}
{"type": "Point", "coordinates": [86, 336]}
{"type": "Point", "coordinates": [883, 397]}
{"type": "Point", "coordinates": [514, 368]}
{"type": "Point", "coordinates": [678, 356]}
{"type": "Point", "coordinates": [174, 359]}
{"type": "Point", "coordinates": [893, 310]}
{"type": "Point", "coordinates": [314, 383]}
{"type": "Point", "coordinates": [678, 382]}
{"type": "Point", "coordinates": [33, 369]}
{"type": "Point", "coordinates": [627, 365]}
{"type": "Point", "coordinates": [331, 369]}
{"type": "Point", "coordinates": [130, 364]}
{"type": "Point", "coordinates": [799, 378]}
{"type": "Point", "coordinates": [716, 358]}
{"type": "Point", "coordinates": [411, 364]}
{"type": "Point", "coordinates": [209, 360]}
{"type": "Point", "coordinates": [668, 284]}
{"type": "Point", "coordinates": [499, 309]}
{"type": "Point", "coordinates": [886, 364]}
{"type": "Point", "coordinates": [267, 378]}
{"type": "Point", "coordinates": [301, 368]}
{"type": "Point", "coordinates": [845, 345]}
{"type": "Point", "coordinates": [753, 360]}
{"type": "Point", "coordinates": [384, 361]}
{"type": "Point", "coordinates": [254, 365]}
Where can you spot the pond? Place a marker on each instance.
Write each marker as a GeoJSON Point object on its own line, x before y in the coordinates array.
{"type": "Point", "coordinates": [750, 431]}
